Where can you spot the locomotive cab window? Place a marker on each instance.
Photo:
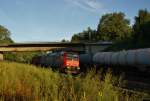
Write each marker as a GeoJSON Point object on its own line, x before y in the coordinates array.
{"type": "Point", "coordinates": [71, 56]}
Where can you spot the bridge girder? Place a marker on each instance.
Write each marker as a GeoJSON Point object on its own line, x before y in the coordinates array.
{"type": "Point", "coordinates": [24, 49]}
{"type": "Point", "coordinates": [46, 46]}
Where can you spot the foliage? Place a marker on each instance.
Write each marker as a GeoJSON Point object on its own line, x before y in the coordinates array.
{"type": "Point", "coordinates": [87, 35]}
{"type": "Point", "coordinates": [5, 35]}
{"type": "Point", "coordinates": [23, 57]}
{"type": "Point", "coordinates": [127, 44]}
{"type": "Point", "coordinates": [64, 40]}
{"type": "Point", "coordinates": [141, 34]}
{"type": "Point", "coordinates": [142, 25]}
{"type": "Point", "coordinates": [113, 26]}
{"type": "Point", "coordinates": [23, 82]}
{"type": "Point", "coordinates": [18, 57]}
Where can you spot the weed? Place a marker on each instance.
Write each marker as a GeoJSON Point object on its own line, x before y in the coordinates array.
{"type": "Point", "coordinates": [22, 82]}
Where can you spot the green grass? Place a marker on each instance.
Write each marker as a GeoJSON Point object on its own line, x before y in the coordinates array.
{"type": "Point", "coordinates": [22, 82]}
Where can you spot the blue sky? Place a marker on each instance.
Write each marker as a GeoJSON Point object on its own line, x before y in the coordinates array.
{"type": "Point", "coordinates": [53, 20]}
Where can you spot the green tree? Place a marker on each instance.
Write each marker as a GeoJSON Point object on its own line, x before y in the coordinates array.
{"type": "Point", "coordinates": [113, 26]}
{"type": "Point", "coordinates": [4, 35]}
{"type": "Point", "coordinates": [87, 35]}
{"type": "Point", "coordinates": [142, 25]}
{"type": "Point", "coordinates": [75, 38]}
{"type": "Point", "coordinates": [64, 40]}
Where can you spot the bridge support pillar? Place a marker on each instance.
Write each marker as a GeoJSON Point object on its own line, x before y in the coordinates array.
{"type": "Point", "coordinates": [1, 57]}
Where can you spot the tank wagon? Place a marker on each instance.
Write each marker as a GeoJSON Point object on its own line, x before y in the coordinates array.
{"type": "Point", "coordinates": [66, 62]}
{"type": "Point", "coordinates": [137, 58]}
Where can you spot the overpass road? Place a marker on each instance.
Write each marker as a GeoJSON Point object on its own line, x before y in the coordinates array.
{"type": "Point", "coordinates": [47, 46]}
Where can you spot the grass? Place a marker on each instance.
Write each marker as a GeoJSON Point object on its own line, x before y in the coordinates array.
{"type": "Point", "coordinates": [22, 82]}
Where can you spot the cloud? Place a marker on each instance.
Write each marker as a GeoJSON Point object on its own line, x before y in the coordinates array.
{"type": "Point", "coordinates": [90, 5]}
{"type": "Point", "coordinates": [94, 4]}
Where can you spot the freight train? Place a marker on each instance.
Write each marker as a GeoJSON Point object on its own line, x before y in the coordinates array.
{"type": "Point", "coordinates": [66, 62]}
{"type": "Point", "coordinates": [71, 62]}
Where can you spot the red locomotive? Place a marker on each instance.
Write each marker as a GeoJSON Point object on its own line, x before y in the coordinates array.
{"type": "Point", "coordinates": [67, 62]}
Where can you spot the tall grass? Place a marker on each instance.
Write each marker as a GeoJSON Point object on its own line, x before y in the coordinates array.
{"type": "Point", "coordinates": [21, 82]}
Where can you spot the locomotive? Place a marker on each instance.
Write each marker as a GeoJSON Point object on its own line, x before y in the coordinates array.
{"type": "Point", "coordinates": [66, 62]}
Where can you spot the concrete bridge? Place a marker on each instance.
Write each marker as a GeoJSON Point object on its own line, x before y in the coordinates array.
{"type": "Point", "coordinates": [47, 46]}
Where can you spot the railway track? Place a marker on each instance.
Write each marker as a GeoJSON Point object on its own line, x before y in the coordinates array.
{"type": "Point", "coordinates": [141, 95]}
{"type": "Point", "coordinates": [136, 82]}
{"type": "Point", "coordinates": [138, 87]}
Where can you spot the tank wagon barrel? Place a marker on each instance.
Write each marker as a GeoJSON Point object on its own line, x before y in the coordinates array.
{"type": "Point", "coordinates": [138, 57]}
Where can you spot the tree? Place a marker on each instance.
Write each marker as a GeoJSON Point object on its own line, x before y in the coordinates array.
{"type": "Point", "coordinates": [4, 35]}
{"type": "Point", "coordinates": [113, 26]}
{"type": "Point", "coordinates": [87, 35]}
{"type": "Point", "coordinates": [142, 25]}
{"type": "Point", "coordinates": [75, 38]}
{"type": "Point", "coordinates": [64, 40]}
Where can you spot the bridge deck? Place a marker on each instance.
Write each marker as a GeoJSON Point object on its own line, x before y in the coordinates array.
{"type": "Point", "coordinates": [45, 46]}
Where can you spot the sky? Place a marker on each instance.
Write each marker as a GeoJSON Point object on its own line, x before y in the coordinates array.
{"type": "Point", "coordinates": [54, 20]}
